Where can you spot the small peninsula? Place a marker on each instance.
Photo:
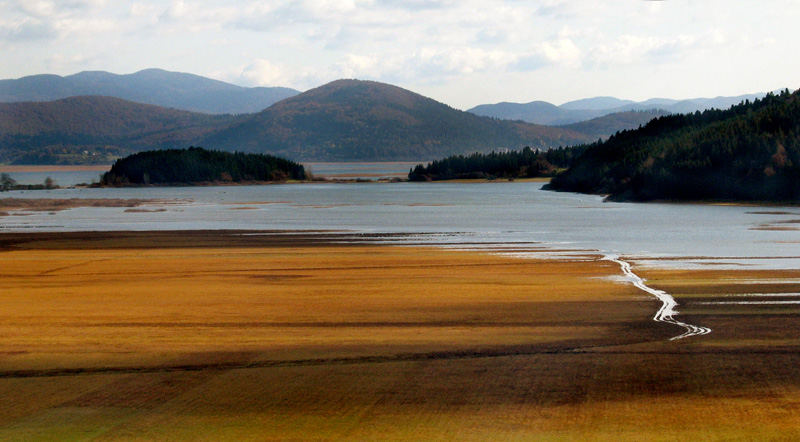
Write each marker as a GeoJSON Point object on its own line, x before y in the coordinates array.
{"type": "Point", "coordinates": [526, 163]}
{"type": "Point", "coordinates": [195, 166]}
{"type": "Point", "coordinates": [750, 152]}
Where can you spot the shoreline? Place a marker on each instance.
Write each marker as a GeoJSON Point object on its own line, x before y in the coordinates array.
{"type": "Point", "coordinates": [53, 168]}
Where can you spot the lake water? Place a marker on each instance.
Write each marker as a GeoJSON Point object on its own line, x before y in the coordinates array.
{"type": "Point", "coordinates": [61, 178]}
{"type": "Point", "coordinates": [370, 171]}
{"type": "Point", "coordinates": [518, 215]}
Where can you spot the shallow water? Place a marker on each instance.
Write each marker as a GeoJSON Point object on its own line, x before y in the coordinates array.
{"type": "Point", "coordinates": [367, 170]}
{"type": "Point", "coordinates": [516, 214]}
{"type": "Point", "coordinates": [61, 178]}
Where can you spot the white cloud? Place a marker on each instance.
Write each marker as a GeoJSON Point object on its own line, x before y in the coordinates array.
{"type": "Point", "coordinates": [264, 73]}
{"type": "Point", "coordinates": [176, 11]}
{"type": "Point", "coordinates": [36, 8]}
{"type": "Point", "coordinates": [26, 30]}
{"type": "Point", "coordinates": [562, 51]}
{"type": "Point", "coordinates": [301, 43]}
{"type": "Point", "coordinates": [50, 8]}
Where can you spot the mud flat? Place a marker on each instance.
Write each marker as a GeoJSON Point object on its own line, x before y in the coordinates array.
{"type": "Point", "coordinates": [26, 205]}
{"type": "Point", "coordinates": [293, 335]}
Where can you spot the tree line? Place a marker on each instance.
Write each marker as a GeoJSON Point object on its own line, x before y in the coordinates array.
{"type": "Point", "coordinates": [525, 163]}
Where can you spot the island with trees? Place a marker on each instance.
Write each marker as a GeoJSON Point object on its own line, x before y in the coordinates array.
{"type": "Point", "coordinates": [196, 165]}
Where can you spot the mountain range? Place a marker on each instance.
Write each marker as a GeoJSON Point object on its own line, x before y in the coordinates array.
{"type": "Point", "coordinates": [98, 116]}
{"type": "Point", "coordinates": [542, 112]}
{"type": "Point", "coordinates": [342, 120]}
{"type": "Point", "coordinates": [151, 86]}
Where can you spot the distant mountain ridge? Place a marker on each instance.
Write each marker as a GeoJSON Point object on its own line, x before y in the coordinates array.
{"type": "Point", "coordinates": [602, 127]}
{"type": "Point", "coordinates": [536, 112]}
{"type": "Point", "coordinates": [596, 103]}
{"type": "Point", "coordinates": [366, 120]}
{"type": "Point", "coordinates": [150, 86]}
{"type": "Point", "coordinates": [343, 120]}
{"type": "Point", "coordinates": [542, 112]}
{"type": "Point", "coordinates": [94, 129]}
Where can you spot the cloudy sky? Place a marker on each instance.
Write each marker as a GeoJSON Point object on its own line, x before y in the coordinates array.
{"type": "Point", "coordinates": [461, 52]}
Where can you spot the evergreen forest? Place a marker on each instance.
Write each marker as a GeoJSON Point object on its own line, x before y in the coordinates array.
{"type": "Point", "coordinates": [527, 163]}
{"type": "Point", "coordinates": [197, 165]}
{"type": "Point", "coordinates": [748, 152]}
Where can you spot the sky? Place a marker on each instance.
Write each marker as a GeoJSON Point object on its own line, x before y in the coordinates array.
{"type": "Point", "coordinates": [460, 52]}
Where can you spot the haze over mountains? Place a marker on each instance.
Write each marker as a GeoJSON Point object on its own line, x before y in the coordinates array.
{"type": "Point", "coordinates": [150, 86]}
{"type": "Point", "coordinates": [94, 129]}
{"type": "Point", "coordinates": [542, 112]}
{"type": "Point", "coordinates": [602, 127]}
{"type": "Point", "coordinates": [343, 120]}
{"type": "Point", "coordinates": [98, 116]}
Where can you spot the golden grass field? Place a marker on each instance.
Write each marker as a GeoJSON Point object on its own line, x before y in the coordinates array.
{"type": "Point", "coordinates": [223, 336]}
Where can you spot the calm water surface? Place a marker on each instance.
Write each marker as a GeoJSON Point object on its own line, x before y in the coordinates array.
{"type": "Point", "coordinates": [62, 178]}
{"type": "Point", "coordinates": [518, 215]}
{"type": "Point", "coordinates": [366, 170]}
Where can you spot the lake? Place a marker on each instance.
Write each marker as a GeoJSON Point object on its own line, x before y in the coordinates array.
{"type": "Point", "coordinates": [66, 176]}
{"type": "Point", "coordinates": [515, 216]}
{"type": "Point", "coordinates": [62, 175]}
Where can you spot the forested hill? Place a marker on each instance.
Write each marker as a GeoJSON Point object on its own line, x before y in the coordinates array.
{"type": "Point", "coordinates": [366, 120]}
{"type": "Point", "coordinates": [94, 129]}
{"type": "Point", "coordinates": [748, 152]}
{"type": "Point", "coordinates": [197, 165]}
{"type": "Point", "coordinates": [602, 127]}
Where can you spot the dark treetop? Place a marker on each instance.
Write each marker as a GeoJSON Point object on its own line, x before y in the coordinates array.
{"type": "Point", "coordinates": [198, 165]}
{"type": "Point", "coordinates": [527, 163]}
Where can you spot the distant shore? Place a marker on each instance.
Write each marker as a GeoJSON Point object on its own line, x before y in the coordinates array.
{"type": "Point", "coordinates": [53, 168]}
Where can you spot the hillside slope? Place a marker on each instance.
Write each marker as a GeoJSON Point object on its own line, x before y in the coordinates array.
{"type": "Point", "coordinates": [366, 120]}
{"type": "Point", "coordinates": [536, 112]}
{"type": "Point", "coordinates": [602, 127]}
{"type": "Point", "coordinates": [542, 112]}
{"type": "Point", "coordinates": [150, 86]}
{"type": "Point", "coordinates": [748, 152]}
{"type": "Point", "coordinates": [94, 129]}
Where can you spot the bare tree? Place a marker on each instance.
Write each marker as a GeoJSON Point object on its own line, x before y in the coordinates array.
{"type": "Point", "coordinates": [6, 182]}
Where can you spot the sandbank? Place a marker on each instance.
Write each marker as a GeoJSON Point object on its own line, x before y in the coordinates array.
{"type": "Point", "coordinates": [57, 204]}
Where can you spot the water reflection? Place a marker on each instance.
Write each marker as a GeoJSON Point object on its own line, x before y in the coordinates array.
{"type": "Point", "coordinates": [517, 214]}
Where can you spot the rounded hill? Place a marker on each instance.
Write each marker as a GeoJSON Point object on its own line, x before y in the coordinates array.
{"type": "Point", "coordinates": [367, 120]}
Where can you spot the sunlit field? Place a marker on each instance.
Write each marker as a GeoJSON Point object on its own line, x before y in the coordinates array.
{"type": "Point", "coordinates": [199, 335]}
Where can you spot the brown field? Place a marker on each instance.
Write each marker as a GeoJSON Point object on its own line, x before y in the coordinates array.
{"type": "Point", "coordinates": [219, 335]}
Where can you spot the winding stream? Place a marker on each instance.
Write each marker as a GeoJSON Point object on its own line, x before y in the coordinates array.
{"type": "Point", "coordinates": [667, 311]}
